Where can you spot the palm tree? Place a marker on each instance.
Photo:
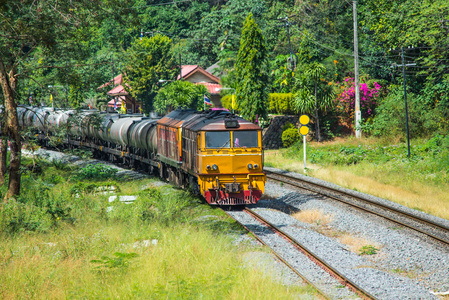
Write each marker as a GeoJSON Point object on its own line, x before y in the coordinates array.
{"type": "Point", "coordinates": [311, 95]}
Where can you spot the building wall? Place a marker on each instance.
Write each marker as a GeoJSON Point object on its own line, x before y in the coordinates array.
{"type": "Point", "coordinates": [199, 77]}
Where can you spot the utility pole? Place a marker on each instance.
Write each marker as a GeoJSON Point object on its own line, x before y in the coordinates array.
{"type": "Point", "coordinates": [358, 113]}
{"type": "Point", "coordinates": [405, 99]}
{"type": "Point", "coordinates": [291, 61]}
{"type": "Point", "coordinates": [180, 64]}
{"type": "Point", "coordinates": [405, 95]}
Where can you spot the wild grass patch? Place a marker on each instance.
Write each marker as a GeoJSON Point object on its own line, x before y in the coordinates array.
{"type": "Point", "coordinates": [64, 239]}
{"type": "Point", "coordinates": [379, 167]}
{"type": "Point", "coordinates": [359, 245]}
{"type": "Point", "coordinates": [316, 217]}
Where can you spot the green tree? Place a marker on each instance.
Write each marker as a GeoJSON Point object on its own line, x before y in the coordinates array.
{"type": "Point", "coordinates": [146, 62]}
{"type": "Point", "coordinates": [313, 93]}
{"type": "Point", "coordinates": [407, 23]}
{"type": "Point", "coordinates": [51, 27]}
{"type": "Point", "coordinates": [251, 65]}
{"type": "Point", "coordinates": [182, 94]}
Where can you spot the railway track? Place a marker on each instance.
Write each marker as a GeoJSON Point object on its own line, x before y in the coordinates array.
{"type": "Point", "coordinates": [302, 250]}
{"type": "Point", "coordinates": [405, 217]}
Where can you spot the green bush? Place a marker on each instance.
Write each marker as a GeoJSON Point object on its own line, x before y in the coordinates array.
{"type": "Point", "coordinates": [287, 125]}
{"type": "Point", "coordinates": [96, 172]}
{"type": "Point", "coordinates": [281, 103]}
{"type": "Point", "coordinates": [290, 136]}
{"type": "Point", "coordinates": [427, 114]}
{"type": "Point", "coordinates": [37, 208]}
{"type": "Point", "coordinates": [17, 217]}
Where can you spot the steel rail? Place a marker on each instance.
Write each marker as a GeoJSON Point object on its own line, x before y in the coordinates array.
{"type": "Point", "coordinates": [281, 259]}
{"type": "Point", "coordinates": [430, 223]}
{"type": "Point", "coordinates": [316, 259]}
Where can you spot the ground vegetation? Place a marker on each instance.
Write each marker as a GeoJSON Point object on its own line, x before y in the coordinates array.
{"type": "Point", "coordinates": [63, 238]}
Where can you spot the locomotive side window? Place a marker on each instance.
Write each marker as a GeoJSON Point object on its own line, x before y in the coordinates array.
{"type": "Point", "coordinates": [246, 139]}
{"type": "Point", "coordinates": [218, 139]}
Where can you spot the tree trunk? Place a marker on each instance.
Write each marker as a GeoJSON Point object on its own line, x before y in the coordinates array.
{"type": "Point", "coordinates": [3, 148]}
{"type": "Point", "coordinates": [8, 83]}
{"type": "Point", "coordinates": [3, 155]}
{"type": "Point", "coordinates": [317, 120]}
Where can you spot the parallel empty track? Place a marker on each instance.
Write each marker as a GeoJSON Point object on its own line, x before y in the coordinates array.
{"type": "Point", "coordinates": [314, 258]}
{"type": "Point", "coordinates": [405, 217]}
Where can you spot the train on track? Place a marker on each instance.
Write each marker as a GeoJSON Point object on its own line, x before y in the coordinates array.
{"type": "Point", "coordinates": [215, 153]}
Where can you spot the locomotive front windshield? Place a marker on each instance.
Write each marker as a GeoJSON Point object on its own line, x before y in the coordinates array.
{"type": "Point", "coordinates": [218, 139]}
{"type": "Point", "coordinates": [240, 139]}
{"type": "Point", "coordinates": [245, 139]}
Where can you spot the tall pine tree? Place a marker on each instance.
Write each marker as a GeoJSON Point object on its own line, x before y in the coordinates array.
{"type": "Point", "coordinates": [250, 67]}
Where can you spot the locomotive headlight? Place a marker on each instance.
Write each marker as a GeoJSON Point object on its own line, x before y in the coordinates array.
{"type": "Point", "coordinates": [250, 166]}
{"type": "Point", "coordinates": [256, 166]}
{"type": "Point", "coordinates": [208, 167]}
{"type": "Point", "coordinates": [214, 167]}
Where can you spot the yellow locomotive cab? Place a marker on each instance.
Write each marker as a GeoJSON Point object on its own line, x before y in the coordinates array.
{"type": "Point", "coordinates": [230, 166]}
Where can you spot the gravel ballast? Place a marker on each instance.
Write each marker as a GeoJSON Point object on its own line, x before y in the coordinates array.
{"type": "Point", "coordinates": [407, 265]}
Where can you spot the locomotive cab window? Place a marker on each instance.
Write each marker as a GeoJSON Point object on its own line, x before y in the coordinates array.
{"type": "Point", "coordinates": [218, 139]}
{"type": "Point", "coordinates": [245, 139]}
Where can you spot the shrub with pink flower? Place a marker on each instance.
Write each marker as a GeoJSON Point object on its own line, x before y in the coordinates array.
{"type": "Point", "coordinates": [345, 101]}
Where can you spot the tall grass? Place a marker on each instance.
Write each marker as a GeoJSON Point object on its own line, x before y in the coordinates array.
{"type": "Point", "coordinates": [63, 239]}
{"type": "Point", "coordinates": [378, 167]}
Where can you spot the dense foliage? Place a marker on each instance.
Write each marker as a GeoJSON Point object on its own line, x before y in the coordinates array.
{"type": "Point", "coordinates": [281, 103]}
{"type": "Point", "coordinates": [146, 62]}
{"type": "Point", "coordinates": [182, 94]}
{"type": "Point", "coordinates": [83, 45]}
{"type": "Point", "coordinates": [290, 136]}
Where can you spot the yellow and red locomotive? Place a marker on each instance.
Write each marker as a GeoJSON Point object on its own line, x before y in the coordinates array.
{"type": "Point", "coordinates": [217, 154]}
{"type": "Point", "coordinates": [221, 151]}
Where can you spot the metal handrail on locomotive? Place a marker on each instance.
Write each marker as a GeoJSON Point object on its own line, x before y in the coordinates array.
{"type": "Point", "coordinates": [217, 154]}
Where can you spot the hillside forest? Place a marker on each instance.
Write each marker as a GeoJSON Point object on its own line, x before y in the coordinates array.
{"type": "Point", "coordinates": [78, 58]}
{"type": "Point", "coordinates": [281, 57]}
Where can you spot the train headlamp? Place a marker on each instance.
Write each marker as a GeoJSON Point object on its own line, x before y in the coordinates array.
{"type": "Point", "coordinates": [214, 167]}
{"type": "Point", "coordinates": [250, 166]}
{"type": "Point", "coordinates": [232, 124]}
{"type": "Point", "coordinates": [256, 166]}
{"type": "Point", "coordinates": [208, 167]}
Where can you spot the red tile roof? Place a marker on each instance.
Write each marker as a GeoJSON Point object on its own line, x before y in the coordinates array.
{"type": "Point", "coordinates": [189, 70]}
{"type": "Point", "coordinates": [117, 91]}
{"type": "Point", "coordinates": [211, 87]}
{"type": "Point", "coordinates": [117, 80]}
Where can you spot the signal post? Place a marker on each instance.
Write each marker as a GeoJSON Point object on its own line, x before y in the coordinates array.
{"type": "Point", "coordinates": [304, 130]}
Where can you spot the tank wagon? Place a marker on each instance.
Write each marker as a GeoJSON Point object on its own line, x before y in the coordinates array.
{"type": "Point", "coordinates": [217, 154]}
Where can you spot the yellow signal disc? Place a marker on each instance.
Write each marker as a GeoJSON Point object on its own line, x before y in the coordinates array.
{"type": "Point", "coordinates": [303, 130]}
{"type": "Point", "coordinates": [304, 119]}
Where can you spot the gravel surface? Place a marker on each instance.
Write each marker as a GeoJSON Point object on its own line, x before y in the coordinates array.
{"type": "Point", "coordinates": [406, 265]}
{"type": "Point", "coordinates": [317, 276]}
